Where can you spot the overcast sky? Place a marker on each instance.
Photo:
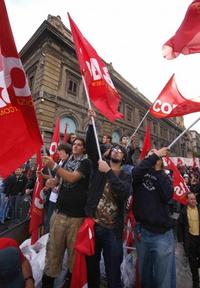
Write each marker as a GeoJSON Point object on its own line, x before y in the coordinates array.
{"type": "Point", "coordinates": [128, 33]}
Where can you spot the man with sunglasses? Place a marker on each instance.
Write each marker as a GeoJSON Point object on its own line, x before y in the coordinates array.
{"type": "Point", "coordinates": [109, 190]}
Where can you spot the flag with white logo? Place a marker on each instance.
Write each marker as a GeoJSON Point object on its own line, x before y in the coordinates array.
{"type": "Point", "coordinates": [101, 89]}
{"type": "Point", "coordinates": [19, 133]}
{"type": "Point", "coordinates": [170, 102]}
{"type": "Point", "coordinates": [37, 208]}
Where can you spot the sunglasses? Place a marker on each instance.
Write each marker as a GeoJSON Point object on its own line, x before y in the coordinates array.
{"type": "Point", "coordinates": [117, 150]}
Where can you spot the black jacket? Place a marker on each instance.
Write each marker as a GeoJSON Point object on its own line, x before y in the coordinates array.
{"type": "Point", "coordinates": [120, 185]}
{"type": "Point", "coordinates": [15, 186]}
{"type": "Point", "coordinates": [152, 191]}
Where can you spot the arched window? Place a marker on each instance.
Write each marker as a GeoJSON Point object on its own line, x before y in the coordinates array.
{"type": "Point", "coordinates": [115, 137]}
{"type": "Point", "coordinates": [71, 125]}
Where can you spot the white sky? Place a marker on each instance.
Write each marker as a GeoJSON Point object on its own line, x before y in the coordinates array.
{"type": "Point", "coordinates": [128, 33]}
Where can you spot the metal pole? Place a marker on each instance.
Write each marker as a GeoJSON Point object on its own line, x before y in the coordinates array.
{"type": "Point", "coordinates": [93, 122]}
{"type": "Point", "coordinates": [179, 136]}
{"type": "Point", "coordinates": [140, 123]}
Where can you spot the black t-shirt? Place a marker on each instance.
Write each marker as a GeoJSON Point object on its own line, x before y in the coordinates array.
{"type": "Point", "coordinates": [72, 196]}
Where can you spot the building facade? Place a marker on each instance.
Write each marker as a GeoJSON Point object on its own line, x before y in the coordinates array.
{"type": "Point", "coordinates": [52, 68]}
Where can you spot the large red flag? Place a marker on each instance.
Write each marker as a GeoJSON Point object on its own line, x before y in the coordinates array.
{"type": "Point", "coordinates": [187, 37]}
{"type": "Point", "coordinates": [180, 187]}
{"type": "Point", "coordinates": [147, 143]}
{"type": "Point", "coordinates": [37, 208]}
{"type": "Point", "coordinates": [19, 133]}
{"type": "Point", "coordinates": [55, 139]}
{"type": "Point", "coordinates": [99, 84]}
{"type": "Point", "coordinates": [170, 102]}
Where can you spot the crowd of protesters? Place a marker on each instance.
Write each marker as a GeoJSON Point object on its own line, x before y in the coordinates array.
{"type": "Point", "coordinates": [81, 185]}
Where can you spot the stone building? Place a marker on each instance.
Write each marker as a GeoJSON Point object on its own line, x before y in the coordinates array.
{"type": "Point", "coordinates": [195, 142]}
{"type": "Point", "coordinates": [52, 68]}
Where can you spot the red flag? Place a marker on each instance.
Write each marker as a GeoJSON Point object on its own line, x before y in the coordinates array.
{"type": "Point", "coordinates": [129, 227]}
{"type": "Point", "coordinates": [170, 102]}
{"type": "Point", "coordinates": [187, 37]}
{"type": "Point", "coordinates": [65, 137]}
{"type": "Point", "coordinates": [147, 143]}
{"type": "Point", "coordinates": [37, 209]}
{"type": "Point", "coordinates": [84, 246]}
{"type": "Point", "coordinates": [99, 84]}
{"type": "Point", "coordinates": [55, 139]}
{"type": "Point", "coordinates": [180, 187]}
{"type": "Point", "coordinates": [19, 133]}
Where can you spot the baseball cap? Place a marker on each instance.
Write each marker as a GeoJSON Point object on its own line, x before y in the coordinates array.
{"type": "Point", "coordinates": [11, 268]}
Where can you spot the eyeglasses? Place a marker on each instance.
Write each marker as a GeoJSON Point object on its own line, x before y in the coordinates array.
{"type": "Point", "coordinates": [117, 150]}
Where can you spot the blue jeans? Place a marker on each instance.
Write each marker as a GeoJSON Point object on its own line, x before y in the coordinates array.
{"type": "Point", "coordinates": [3, 206]}
{"type": "Point", "coordinates": [112, 247]}
{"type": "Point", "coordinates": [156, 256]}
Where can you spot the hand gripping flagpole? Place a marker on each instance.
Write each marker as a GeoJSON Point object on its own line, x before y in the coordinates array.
{"type": "Point", "coordinates": [179, 136]}
{"type": "Point", "coordinates": [140, 123]}
{"type": "Point", "coordinates": [93, 122]}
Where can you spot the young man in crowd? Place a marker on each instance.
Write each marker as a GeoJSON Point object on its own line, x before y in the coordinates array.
{"type": "Point", "coordinates": [109, 190]}
{"type": "Point", "coordinates": [189, 235]}
{"type": "Point", "coordinates": [69, 213]}
{"type": "Point", "coordinates": [152, 190]}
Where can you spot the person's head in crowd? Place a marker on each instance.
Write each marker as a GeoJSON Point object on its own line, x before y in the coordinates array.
{"type": "Point", "coordinates": [118, 154]}
{"type": "Point", "coordinates": [64, 150]}
{"type": "Point", "coordinates": [124, 140]}
{"type": "Point", "coordinates": [78, 147]}
{"type": "Point", "coordinates": [194, 180]}
{"type": "Point", "coordinates": [107, 139]}
{"type": "Point", "coordinates": [15, 269]}
{"type": "Point", "coordinates": [18, 171]}
{"type": "Point", "coordinates": [71, 138]}
{"type": "Point", "coordinates": [191, 200]}
{"type": "Point", "coordinates": [186, 178]}
{"type": "Point", "coordinates": [159, 163]}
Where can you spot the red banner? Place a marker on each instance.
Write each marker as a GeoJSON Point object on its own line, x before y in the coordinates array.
{"type": "Point", "coordinates": [19, 133]}
{"type": "Point", "coordinates": [99, 84]}
{"type": "Point", "coordinates": [180, 187]}
{"type": "Point", "coordinates": [170, 102]}
{"type": "Point", "coordinates": [37, 209]}
{"type": "Point", "coordinates": [187, 37]}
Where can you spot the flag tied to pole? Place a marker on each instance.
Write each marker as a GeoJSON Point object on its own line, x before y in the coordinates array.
{"type": "Point", "coordinates": [180, 187]}
{"type": "Point", "coordinates": [170, 102]}
{"type": "Point", "coordinates": [19, 133]}
{"type": "Point", "coordinates": [147, 143]}
{"type": "Point", "coordinates": [37, 208]}
{"type": "Point", "coordinates": [100, 87]}
{"type": "Point", "coordinates": [187, 38]}
{"type": "Point", "coordinates": [84, 246]}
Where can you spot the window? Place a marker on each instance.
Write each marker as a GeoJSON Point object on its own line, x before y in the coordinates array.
{"type": "Point", "coordinates": [129, 114]}
{"type": "Point", "coordinates": [141, 117]}
{"type": "Point", "coordinates": [72, 87]}
{"type": "Point", "coordinates": [69, 122]}
{"type": "Point", "coordinates": [115, 137]}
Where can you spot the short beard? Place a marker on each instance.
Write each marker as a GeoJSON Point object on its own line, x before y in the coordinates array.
{"type": "Point", "coordinates": [116, 161]}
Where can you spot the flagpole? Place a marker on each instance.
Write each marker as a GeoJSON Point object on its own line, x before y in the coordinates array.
{"type": "Point", "coordinates": [93, 122]}
{"type": "Point", "coordinates": [45, 154]}
{"type": "Point", "coordinates": [140, 123]}
{"type": "Point", "coordinates": [179, 136]}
